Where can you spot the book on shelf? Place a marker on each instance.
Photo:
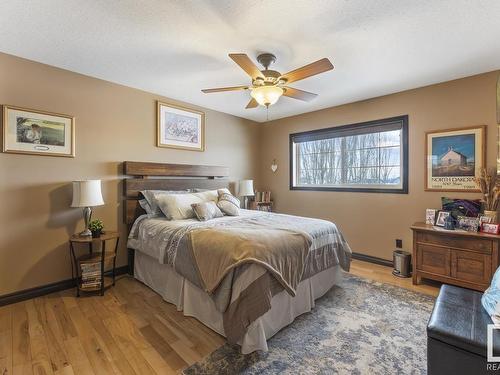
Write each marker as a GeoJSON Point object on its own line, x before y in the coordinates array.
{"type": "Point", "coordinates": [90, 285]}
{"type": "Point", "coordinates": [262, 197]}
{"type": "Point", "coordinates": [91, 277]}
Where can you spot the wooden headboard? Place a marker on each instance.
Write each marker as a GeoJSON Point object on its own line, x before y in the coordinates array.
{"type": "Point", "coordinates": [161, 176]}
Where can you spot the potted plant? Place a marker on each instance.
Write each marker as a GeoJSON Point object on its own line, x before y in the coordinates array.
{"type": "Point", "coordinates": [490, 189]}
{"type": "Point", "coordinates": [96, 226]}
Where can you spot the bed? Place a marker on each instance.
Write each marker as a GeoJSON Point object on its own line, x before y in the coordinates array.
{"type": "Point", "coordinates": [211, 271]}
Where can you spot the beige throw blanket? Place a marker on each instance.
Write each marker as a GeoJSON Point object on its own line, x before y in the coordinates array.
{"type": "Point", "coordinates": [218, 250]}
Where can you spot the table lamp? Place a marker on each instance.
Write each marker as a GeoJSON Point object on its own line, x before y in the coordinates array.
{"type": "Point", "coordinates": [87, 194]}
{"type": "Point", "coordinates": [246, 190]}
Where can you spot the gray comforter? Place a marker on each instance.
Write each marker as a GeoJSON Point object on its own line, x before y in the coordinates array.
{"type": "Point", "coordinates": [177, 243]}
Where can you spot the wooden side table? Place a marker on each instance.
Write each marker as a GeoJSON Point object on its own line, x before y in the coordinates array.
{"type": "Point", "coordinates": [101, 258]}
{"type": "Point", "coordinates": [466, 259]}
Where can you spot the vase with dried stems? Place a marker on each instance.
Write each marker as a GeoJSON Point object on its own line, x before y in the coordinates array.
{"type": "Point", "coordinates": [489, 185]}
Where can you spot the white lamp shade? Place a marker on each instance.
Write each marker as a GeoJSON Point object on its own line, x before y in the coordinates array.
{"type": "Point", "coordinates": [87, 193]}
{"type": "Point", "coordinates": [246, 188]}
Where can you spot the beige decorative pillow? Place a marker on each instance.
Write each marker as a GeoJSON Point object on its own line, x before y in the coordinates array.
{"type": "Point", "coordinates": [210, 195]}
{"type": "Point", "coordinates": [206, 211]}
{"type": "Point", "coordinates": [153, 195]}
{"type": "Point", "coordinates": [228, 204]}
{"type": "Point", "coordinates": [178, 206]}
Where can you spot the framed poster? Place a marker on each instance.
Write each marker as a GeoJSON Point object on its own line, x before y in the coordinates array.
{"type": "Point", "coordinates": [454, 158]}
{"type": "Point", "coordinates": [179, 127]}
{"type": "Point", "coordinates": [29, 131]}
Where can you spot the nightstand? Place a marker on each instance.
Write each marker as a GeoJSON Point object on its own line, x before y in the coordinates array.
{"type": "Point", "coordinates": [89, 270]}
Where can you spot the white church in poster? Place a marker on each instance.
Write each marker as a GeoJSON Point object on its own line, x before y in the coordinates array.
{"type": "Point", "coordinates": [453, 157]}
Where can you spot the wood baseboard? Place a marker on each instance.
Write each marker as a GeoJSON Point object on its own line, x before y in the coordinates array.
{"type": "Point", "coordinates": [42, 290]}
{"type": "Point", "coordinates": [372, 259]}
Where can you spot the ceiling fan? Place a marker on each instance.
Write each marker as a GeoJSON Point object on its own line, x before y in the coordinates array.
{"type": "Point", "coordinates": [268, 85]}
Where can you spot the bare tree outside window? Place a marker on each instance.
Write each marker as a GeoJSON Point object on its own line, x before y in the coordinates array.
{"type": "Point", "coordinates": [371, 158]}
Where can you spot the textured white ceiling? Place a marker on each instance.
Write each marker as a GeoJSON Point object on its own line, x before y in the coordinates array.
{"type": "Point", "coordinates": [176, 48]}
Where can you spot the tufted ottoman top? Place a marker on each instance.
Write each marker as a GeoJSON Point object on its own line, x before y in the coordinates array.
{"type": "Point", "coordinates": [459, 319]}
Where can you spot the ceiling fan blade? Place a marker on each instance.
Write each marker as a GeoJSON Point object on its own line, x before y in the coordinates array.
{"type": "Point", "coordinates": [220, 89]}
{"type": "Point", "coordinates": [246, 64]}
{"type": "Point", "coordinates": [299, 94]}
{"type": "Point", "coordinates": [309, 70]}
{"type": "Point", "coordinates": [252, 104]}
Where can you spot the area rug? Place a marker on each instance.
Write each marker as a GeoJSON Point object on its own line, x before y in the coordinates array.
{"type": "Point", "coordinates": [358, 327]}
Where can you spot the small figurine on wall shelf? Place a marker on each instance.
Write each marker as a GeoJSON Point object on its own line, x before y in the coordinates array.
{"type": "Point", "coordinates": [96, 226]}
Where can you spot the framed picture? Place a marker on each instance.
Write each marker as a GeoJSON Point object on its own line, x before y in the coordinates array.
{"type": "Point", "coordinates": [485, 219]}
{"type": "Point", "coordinates": [440, 218]}
{"type": "Point", "coordinates": [490, 228]}
{"type": "Point", "coordinates": [454, 158]}
{"type": "Point", "coordinates": [179, 127]}
{"type": "Point", "coordinates": [430, 216]}
{"type": "Point", "coordinates": [29, 131]}
{"type": "Point", "coordinates": [469, 224]}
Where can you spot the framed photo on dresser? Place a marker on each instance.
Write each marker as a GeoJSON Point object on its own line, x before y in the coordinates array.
{"type": "Point", "coordinates": [179, 127]}
{"type": "Point", "coordinates": [454, 158]}
{"type": "Point", "coordinates": [34, 132]}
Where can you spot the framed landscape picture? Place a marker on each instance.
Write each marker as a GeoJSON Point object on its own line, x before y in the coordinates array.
{"type": "Point", "coordinates": [29, 131]}
{"type": "Point", "coordinates": [179, 127]}
{"type": "Point", "coordinates": [454, 158]}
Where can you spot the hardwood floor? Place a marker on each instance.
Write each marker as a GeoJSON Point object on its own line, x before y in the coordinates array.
{"type": "Point", "coordinates": [384, 274]}
{"type": "Point", "coordinates": [130, 330]}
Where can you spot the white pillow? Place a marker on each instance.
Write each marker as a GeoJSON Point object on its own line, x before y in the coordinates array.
{"type": "Point", "coordinates": [178, 206]}
{"type": "Point", "coordinates": [211, 195]}
{"type": "Point", "coordinates": [152, 195]}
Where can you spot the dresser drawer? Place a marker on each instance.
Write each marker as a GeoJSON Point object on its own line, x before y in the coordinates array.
{"type": "Point", "coordinates": [472, 267]}
{"type": "Point", "coordinates": [434, 259]}
{"type": "Point", "coordinates": [480, 245]}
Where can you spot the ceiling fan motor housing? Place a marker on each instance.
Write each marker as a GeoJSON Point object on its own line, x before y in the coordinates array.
{"type": "Point", "coordinates": [266, 59]}
{"type": "Point", "coordinates": [270, 78]}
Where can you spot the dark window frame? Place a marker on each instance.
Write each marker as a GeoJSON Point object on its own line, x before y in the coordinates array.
{"type": "Point", "coordinates": [322, 133]}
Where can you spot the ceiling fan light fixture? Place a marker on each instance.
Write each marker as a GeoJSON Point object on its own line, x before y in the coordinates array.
{"type": "Point", "coordinates": [266, 95]}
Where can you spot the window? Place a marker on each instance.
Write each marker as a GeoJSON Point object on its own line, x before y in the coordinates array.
{"type": "Point", "coordinates": [369, 156]}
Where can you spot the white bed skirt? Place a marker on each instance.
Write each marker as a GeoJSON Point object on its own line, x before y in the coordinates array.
{"type": "Point", "coordinates": [195, 302]}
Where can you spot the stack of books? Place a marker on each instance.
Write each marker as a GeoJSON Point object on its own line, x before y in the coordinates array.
{"type": "Point", "coordinates": [91, 275]}
{"type": "Point", "coordinates": [263, 196]}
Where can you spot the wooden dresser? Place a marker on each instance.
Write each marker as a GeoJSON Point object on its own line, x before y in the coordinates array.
{"type": "Point", "coordinates": [454, 257]}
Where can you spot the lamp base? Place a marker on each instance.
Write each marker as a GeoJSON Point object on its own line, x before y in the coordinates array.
{"type": "Point", "coordinates": [87, 215]}
{"type": "Point", "coordinates": [85, 233]}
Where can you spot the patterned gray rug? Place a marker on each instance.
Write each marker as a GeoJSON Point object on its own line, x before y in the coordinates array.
{"type": "Point", "coordinates": [359, 327]}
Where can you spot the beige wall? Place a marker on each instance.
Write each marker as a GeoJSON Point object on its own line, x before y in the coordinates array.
{"type": "Point", "coordinates": [370, 221]}
{"type": "Point", "coordinates": [116, 123]}
{"type": "Point", "coordinates": [113, 123]}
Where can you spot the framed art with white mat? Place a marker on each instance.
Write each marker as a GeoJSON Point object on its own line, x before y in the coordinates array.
{"type": "Point", "coordinates": [454, 158]}
{"type": "Point", "coordinates": [179, 127]}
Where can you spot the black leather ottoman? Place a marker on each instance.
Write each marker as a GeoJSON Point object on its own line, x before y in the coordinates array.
{"type": "Point", "coordinates": [457, 334]}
